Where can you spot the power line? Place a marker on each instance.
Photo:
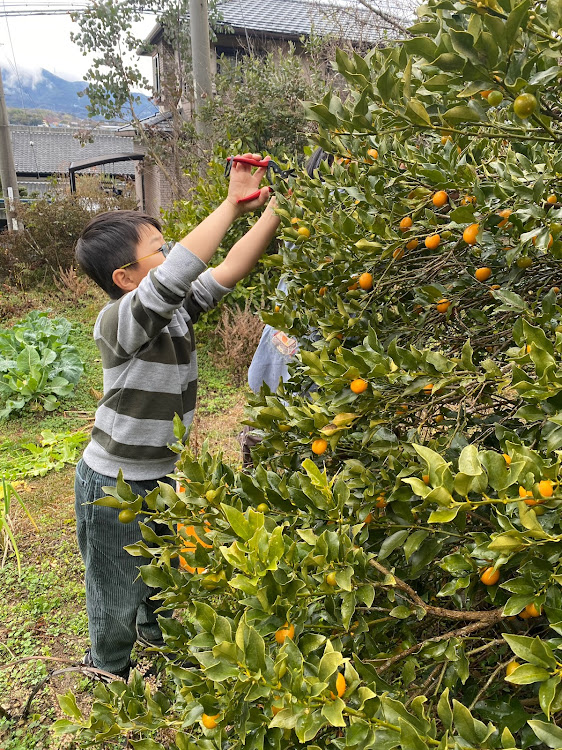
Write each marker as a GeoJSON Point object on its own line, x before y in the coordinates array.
{"type": "Point", "coordinates": [51, 9]}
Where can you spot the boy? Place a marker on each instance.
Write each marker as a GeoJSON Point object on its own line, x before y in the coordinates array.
{"type": "Point", "coordinates": [145, 336]}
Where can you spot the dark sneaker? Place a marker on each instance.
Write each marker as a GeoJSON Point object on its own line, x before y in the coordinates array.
{"type": "Point", "coordinates": [104, 676]}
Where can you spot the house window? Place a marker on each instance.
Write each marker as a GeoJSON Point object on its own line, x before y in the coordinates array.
{"type": "Point", "coordinates": [156, 73]}
{"type": "Point", "coordinates": [227, 57]}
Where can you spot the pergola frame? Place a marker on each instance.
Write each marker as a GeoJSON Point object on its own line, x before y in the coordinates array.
{"type": "Point", "coordinates": [77, 166]}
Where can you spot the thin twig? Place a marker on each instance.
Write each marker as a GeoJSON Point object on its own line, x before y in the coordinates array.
{"type": "Point", "coordinates": [86, 671]}
{"type": "Point", "coordinates": [423, 688]}
{"type": "Point", "coordinates": [488, 645]}
{"type": "Point", "coordinates": [459, 633]}
{"type": "Point", "coordinates": [489, 681]}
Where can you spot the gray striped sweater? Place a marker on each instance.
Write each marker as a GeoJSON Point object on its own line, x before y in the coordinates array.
{"type": "Point", "coordinates": [149, 361]}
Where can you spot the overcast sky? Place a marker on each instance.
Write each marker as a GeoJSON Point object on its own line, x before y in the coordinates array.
{"type": "Point", "coordinates": [34, 42]}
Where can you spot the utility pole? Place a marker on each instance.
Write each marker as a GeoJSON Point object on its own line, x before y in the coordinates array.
{"type": "Point", "coordinates": [7, 167]}
{"type": "Point", "coordinates": [200, 59]}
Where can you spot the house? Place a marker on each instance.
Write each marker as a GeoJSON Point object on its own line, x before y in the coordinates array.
{"type": "Point", "coordinates": [267, 24]}
{"type": "Point", "coordinates": [41, 154]}
{"type": "Point", "coordinates": [259, 25]}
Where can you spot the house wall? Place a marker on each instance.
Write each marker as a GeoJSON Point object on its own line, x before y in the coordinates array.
{"type": "Point", "coordinates": [156, 193]}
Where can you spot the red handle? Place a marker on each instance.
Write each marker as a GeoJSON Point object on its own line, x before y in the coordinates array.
{"type": "Point", "coordinates": [248, 160]}
{"type": "Point", "coordinates": [250, 197]}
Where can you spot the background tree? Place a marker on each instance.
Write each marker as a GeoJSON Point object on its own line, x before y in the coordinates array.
{"type": "Point", "coordinates": [106, 30]}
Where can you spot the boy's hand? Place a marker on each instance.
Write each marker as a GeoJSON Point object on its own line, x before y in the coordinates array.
{"type": "Point", "coordinates": [245, 181]}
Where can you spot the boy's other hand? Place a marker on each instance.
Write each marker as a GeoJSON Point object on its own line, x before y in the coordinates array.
{"type": "Point", "coordinates": [245, 180]}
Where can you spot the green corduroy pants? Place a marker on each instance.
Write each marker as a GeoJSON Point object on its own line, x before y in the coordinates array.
{"type": "Point", "coordinates": [117, 599]}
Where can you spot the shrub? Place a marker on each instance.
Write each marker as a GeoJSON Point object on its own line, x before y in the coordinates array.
{"type": "Point", "coordinates": [51, 227]}
{"type": "Point", "coordinates": [258, 101]}
{"type": "Point", "coordinates": [389, 574]}
{"type": "Point", "coordinates": [239, 332]}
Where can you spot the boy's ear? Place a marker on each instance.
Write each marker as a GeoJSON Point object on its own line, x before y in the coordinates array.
{"type": "Point", "coordinates": [122, 279]}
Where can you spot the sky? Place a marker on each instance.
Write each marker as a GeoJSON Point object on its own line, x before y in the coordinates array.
{"type": "Point", "coordinates": [29, 43]}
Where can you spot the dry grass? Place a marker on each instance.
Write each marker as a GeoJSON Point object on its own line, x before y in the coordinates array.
{"type": "Point", "coordinates": [239, 332]}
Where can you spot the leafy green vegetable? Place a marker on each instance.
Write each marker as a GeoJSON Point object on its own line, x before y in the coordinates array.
{"type": "Point", "coordinates": [32, 459]}
{"type": "Point", "coordinates": [37, 364]}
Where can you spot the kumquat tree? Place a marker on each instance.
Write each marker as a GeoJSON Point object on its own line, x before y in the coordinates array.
{"type": "Point", "coordinates": [390, 573]}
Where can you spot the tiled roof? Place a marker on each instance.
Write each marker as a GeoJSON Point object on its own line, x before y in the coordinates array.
{"type": "Point", "coordinates": [51, 150]}
{"type": "Point", "coordinates": [292, 18]}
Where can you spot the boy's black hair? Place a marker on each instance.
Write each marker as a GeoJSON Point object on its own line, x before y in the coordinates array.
{"type": "Point", "coordinates": [315, 159]}
{"type": "Point", "coordinates": [109, 241]}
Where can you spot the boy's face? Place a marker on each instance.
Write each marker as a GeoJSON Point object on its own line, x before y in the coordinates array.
{"type": "Point", "coordinates": [148, 256]}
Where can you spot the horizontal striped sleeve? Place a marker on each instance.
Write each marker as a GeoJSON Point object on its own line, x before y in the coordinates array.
{"type": "Point", "coordinates": [135, 319]}
{"type": "Point", "coordinates": [206, 293]}
{"type": "Point", "coordinates": [135, 452]}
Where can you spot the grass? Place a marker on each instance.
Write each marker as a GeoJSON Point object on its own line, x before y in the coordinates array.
{"type": "Point", "coordinates": [42, 613]}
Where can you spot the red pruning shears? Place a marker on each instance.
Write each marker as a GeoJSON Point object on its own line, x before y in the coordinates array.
{"type": "Point", "coordinates": [266, 163]}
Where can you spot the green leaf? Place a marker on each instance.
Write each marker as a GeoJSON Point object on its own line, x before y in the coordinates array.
{"type": "Point", "coordinates": [550, 734]}
{"type": "Point", "coordinates": [463, 44]}
{"type": "Point", "coordinates": [469, 462]}
{"type": "Point", "coordinates": [443, 515]}
{"type": "Point", "coordinates": [285, 719]}
{"type": "Point", "coordinates": [329, 664]}
{"type": "Point", "coordinates": [68, 704]}
{"type": "Point", "coordinates": [422, 46]}
{"type": "Point", "coordinates": [414, 542]}
{"type": "Point", "coordinates": [153, 576]}
{"type": "Point", "coordinates": [238, 522]}
{"type": "Point", "coordinates": [386, 84]}
{"type": "Point", "coordinates": [547, 691]}
{"type": "Point", "coordinates": [461, 113]}
{"type": "Point", "coordinates": [333, 713]}
{"type": "Point", "coordinates": [516, 21]}
{"type": "Point", "coordinates": [527, 674]}
{"type": "Point", "coordinates": [463, 215]}
{"type": "Point", "coordinates": [392, 542]}
{"type": "Point", "coordinates": [417, 113]}
{"type": "Point", "coordinates": [516, 603]}
{"type": "Point", "coordinates": [401, 612]}
{"type": "Point", "coordinates": [409, 738]}
{"type": "Point", "coordinates": [348, 608]}
{"type": "Point", "coordinates": [449, 61]}
{"type": "Point", "coordinates": [444, 710]}
{"type": "Point", "coordinates": [467, 726]}
{"type": "Point", "coordinates": [254, 649]}
{"type": "Point", "coordinates": [179, 427]}
{"type": "Point", "coordinates": [554, 14]}
{"type": "Point", "coordinates": [532, 650]}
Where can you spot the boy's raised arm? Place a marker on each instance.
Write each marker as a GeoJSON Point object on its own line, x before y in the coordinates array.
{"type": "Point", "coordinates": [247, 251]}
{"type": "Point", "coordinates": [204, 240]}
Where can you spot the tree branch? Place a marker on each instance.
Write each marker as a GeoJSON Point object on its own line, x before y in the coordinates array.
{"type": "Point", "coordinates": [384, 17]}
{"type": "Point", "coordinates": [490, 616]}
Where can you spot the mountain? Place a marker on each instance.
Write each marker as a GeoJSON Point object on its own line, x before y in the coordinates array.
{"type": "Point", "coordinates": [44, 90]}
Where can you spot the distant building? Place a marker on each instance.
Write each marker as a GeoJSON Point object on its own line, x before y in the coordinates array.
{"type": "Point", "coordinates": [42, 153]}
